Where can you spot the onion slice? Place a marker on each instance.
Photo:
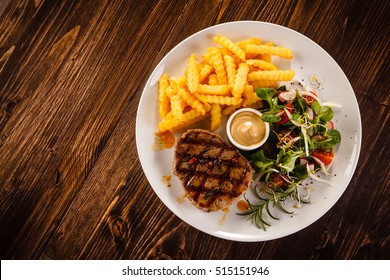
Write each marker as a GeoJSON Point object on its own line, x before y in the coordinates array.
{"type": "Point", "coordinates": [315, 177]}
{"type": "Point", "coordinates": [287, 95]}
{"type": "Point", "coordinates": [322, 165]}
{"type": "Point", "coordinates": [290, 117]}
{"type": "Point", "coordinates": [305, 140]}
{"type": "Point", "coordinates": [310, 113]}
{"type": "Point", "coordinates": [331, 104]}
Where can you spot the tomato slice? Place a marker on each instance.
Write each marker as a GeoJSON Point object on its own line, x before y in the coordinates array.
{"type": "Point", "coordinates": [276, 181]}
{"type": "Point", "coordinates": [324, 156]}
{"type": "Point", "coordinates": [284, 118]}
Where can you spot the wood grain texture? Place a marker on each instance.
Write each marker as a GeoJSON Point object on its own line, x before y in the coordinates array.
{"type": "Point", "coordinates": [71, 75]}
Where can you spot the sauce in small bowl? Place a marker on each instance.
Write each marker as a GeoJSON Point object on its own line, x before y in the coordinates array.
{"type": "Point", "coordinates": [246, 130]}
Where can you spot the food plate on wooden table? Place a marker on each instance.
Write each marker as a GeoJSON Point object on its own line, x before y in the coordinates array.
{"type": "Point", "coordinates": [309, 60]}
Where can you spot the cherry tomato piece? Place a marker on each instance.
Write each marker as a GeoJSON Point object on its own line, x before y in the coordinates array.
{"type": "Point", "coordinates": [324, 156]}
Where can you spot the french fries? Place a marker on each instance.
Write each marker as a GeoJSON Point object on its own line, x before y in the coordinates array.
{"type": "Point", "coordinates": [216, 116]}
{"type": "Point", "coordinates": [272, 75]}
{"type": "Point", "coordinates": [271, 50]}
{"type": "Point", "coordinates": [163, 99]}
{"type": "Point", "coordinates": [219, 82]}
{"type": "Point", "coordinates": [192, 74]}
{"type": "Point", "coordinates": [261, 64]}
{"type": "Point", "coordinates": [240, 80]}
{"type": "Point", "coordinates": [214, 89]}
{"type": "Point", "coordinates": [222, 100]}
{"type": "Point", "coordinates": [176, 107]}
{"type": "Point", "coordinates": [231, 70]}
{"type": "Point", "coordinates": [216, 58]}
{"type": "Point", "coordinates": [225, 42]}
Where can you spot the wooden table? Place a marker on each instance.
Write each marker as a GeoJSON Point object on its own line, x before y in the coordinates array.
{"type": "Point", "coordinates": [71, 76]}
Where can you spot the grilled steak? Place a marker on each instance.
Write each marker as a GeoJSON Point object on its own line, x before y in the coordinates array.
{"type": "Point", "coordinates": [212, 172]}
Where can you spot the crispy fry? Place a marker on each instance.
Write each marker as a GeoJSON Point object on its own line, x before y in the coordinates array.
{"type": "Point", "coordinates": [216, 116]}
{"type": "Point", "coordinates": [248, 92]}
{"type": "Point", "coordinates": [262, 64]}
{"type": "Point", "coordinates": [263, 83]}
{"type": "Point", "coordinates": [192, 101]}
{"type": "Point", "coordinates": [266, 56]}
{"type": "Point", "coordinates": [231, 70]}
{"type": "Point", "coordinates": [208, 59]}
{"type": "Point", "coordinates": [240, 81]}
{"type": "Point", "coordinates": [256, 105]}
{"type": "Point", "coordinates": [250, 96]}
{"type": "Point", "coordinates": [273, 75]}
{"type": "Point", "coordinates": [213, 81]}
{"type": "Point", "coordinates": [214, 89]}
{"type": "Point", "coordinates": [163, 99]}
{"type": "Point", "coordinates": [222, 100]}
{"type": "Point", "coordinates": [207, 107]}
{"type": "Point", "coordinates": [230, 109]}
{"type": "Point", "coordinates": [171, 91]}
{"type": "Point", "coordinates": [179, 81]}
{"type": "Point", "coordinates": [191, 122]}
{"type": "Point", "coordinates": [226, 51]}
{"type": "Point", "coordinates": [192, 74]}
{"type": "Point", "coordinates": [266, 49]}
{"type": "Point", "coordinates": [218, 65]}
{"type": "Point", "coordinates": [173, 88]}
{"type": "Point", "coordinates": [205, 72]}
{"type": "Point", "coordinates": [251, 41]}
{"type": "Point", "coordinates": [200, 66]}
{"type": "Point", "coordinates": [222, 40]}
{"type": "Point", "coordinates": [176, 108]}
{"type": "Point", "coordinates": [169, 122]}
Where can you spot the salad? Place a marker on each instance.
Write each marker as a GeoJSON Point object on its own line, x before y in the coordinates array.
{"type": "Point", "coordinates": [301, 143]}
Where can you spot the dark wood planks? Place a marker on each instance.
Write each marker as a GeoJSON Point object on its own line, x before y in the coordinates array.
{"type": "Point", "coordinates": [93, 104]}
{"type": "Point", "coordinates": [71, 74]}
{"type": "Point", "coordinates": [128, 214]}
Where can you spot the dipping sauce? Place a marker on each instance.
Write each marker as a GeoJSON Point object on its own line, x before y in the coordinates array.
{"type": "Point", "coordinates": [247, 129]}
{"type": "Point", "coordinates": [223, 219]}
{"type": "Point", "coordinates": [242, 205]}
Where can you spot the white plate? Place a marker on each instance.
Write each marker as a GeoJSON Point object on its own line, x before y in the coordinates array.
{"type": "Point", "coordinates": [309, 59]}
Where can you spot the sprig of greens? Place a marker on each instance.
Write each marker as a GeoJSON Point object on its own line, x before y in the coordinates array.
{"type": "Point", "coordinates": [267, 94]}
{"type": "Point", "coordinates": [273, 198]}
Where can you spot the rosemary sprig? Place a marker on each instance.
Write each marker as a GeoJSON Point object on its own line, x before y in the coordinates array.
{"type": "Point", "coordinates": [273, 197]}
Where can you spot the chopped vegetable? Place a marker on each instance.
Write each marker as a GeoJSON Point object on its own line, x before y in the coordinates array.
{"type": "Point", "coordinates": [287, 96]}
{"type": "Point", "coordinates": [284, 115]}
{"type": "Point", "coordinates": [324, 156]}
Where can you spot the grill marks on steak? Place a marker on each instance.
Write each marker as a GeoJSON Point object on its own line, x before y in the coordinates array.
{"type": "Point", "coordinates": [212, 172]}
